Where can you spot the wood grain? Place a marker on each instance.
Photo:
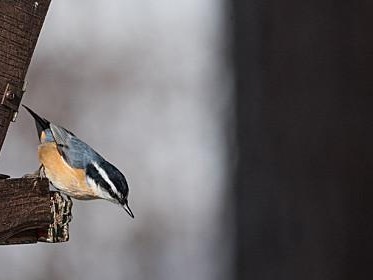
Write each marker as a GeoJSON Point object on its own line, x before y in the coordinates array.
{"type": "Point", "coordinates": [20, 25]}
{"type": "Point", "coordinates": [25, 207]}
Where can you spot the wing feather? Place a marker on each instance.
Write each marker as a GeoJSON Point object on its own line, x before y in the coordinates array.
{"type": "Point", "coordinates": [76, 153]}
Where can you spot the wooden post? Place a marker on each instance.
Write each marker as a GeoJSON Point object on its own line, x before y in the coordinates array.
{"type": "Point", "coordinates": [20, 25]}
{"type": "Point", "coordinates": [29, 212]}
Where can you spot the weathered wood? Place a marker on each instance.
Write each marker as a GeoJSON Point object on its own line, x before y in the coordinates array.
{"type": "Point", "coordinates": [24, 237]}
{"type": "Point", "coordinates": [30, 213]}
{"type": "Point", "coordinates": [24, 205]}
{"type": "Point", "coordinates": [20, 25]}
{"type": "Point", "coordinates": [58, 231]}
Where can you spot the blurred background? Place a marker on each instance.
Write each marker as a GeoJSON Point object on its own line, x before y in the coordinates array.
{"type": "Point", "coordinates": [147, 84]}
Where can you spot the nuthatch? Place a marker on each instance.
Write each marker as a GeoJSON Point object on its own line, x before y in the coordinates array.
{"type": "Point", "coordinates": [74, 168]}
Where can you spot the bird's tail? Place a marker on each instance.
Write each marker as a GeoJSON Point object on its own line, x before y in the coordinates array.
{"type": "Point", "coordinates": [41, 123]}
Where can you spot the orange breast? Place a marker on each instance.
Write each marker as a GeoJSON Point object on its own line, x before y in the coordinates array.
{"type": "Point", "coordinates": [62, 176]}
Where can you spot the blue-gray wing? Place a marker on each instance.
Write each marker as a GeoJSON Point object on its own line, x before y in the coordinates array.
{"type": "Point", "coordinates": [75, 152]}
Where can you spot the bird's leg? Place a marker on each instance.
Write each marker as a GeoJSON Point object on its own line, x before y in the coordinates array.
{"type": "Point", "coordinates": [36, 174]}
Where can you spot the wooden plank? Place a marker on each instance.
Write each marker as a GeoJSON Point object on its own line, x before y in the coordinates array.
{"type": "Point", "coordinates": [29, 212]}
{"type": "Point", "coordinates": [24, 206]}
{"type": "Point", "coordinates": [20, 25]}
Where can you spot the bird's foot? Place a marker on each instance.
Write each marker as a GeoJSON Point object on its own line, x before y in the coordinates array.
{"type": "Point", "coordinates": [32, 175]}
{"type": "Point", "coordinates": [38, 173]}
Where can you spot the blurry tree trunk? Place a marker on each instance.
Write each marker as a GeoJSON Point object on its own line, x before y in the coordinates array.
{"type": "Point", "coordinates": [304, 195]}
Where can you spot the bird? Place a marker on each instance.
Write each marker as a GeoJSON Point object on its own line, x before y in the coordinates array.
{"type": "Point", "coordinates": [76, 169]}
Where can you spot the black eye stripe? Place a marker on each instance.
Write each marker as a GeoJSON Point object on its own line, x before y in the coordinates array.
{"type": "Point", "coordinates": [116, 177]}
{"type": "Point", "coordinates": [92, 173]}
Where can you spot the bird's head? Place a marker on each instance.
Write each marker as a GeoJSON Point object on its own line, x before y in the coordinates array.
{"type": "Point", "coordinates": [112, 181]}
{"type": "Point", "coordinates": [121, 185]}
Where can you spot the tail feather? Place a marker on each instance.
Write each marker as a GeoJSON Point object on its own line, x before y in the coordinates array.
{"type": "Point", "coordinates": [41, 123]}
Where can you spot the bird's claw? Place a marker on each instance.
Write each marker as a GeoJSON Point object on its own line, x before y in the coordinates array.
{"type": "Point", "coordinates": [38, 173]}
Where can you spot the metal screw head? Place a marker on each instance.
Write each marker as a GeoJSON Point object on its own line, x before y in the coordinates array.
{"type": "Point", "coordinates": [9, 95]}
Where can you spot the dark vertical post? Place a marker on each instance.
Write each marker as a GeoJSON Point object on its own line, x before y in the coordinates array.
{"type": "Point", "coordinates": [304, 99]}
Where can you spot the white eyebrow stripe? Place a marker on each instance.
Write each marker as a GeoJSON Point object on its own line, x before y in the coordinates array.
{"type": "Point", "coordinates": [104, 176]}
{"type": "Point", "coordinates": [99, 191]}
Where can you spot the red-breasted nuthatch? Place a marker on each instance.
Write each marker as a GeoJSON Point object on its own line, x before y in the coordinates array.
{"type": "Point", "coordinates": [74, 168]}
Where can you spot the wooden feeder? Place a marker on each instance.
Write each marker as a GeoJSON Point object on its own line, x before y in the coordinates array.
{"type": "Point", "coordinates": [29, 211]}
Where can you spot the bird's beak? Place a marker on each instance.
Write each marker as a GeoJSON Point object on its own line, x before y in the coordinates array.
{"type": "Point", "coordinates": [128, 210]}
